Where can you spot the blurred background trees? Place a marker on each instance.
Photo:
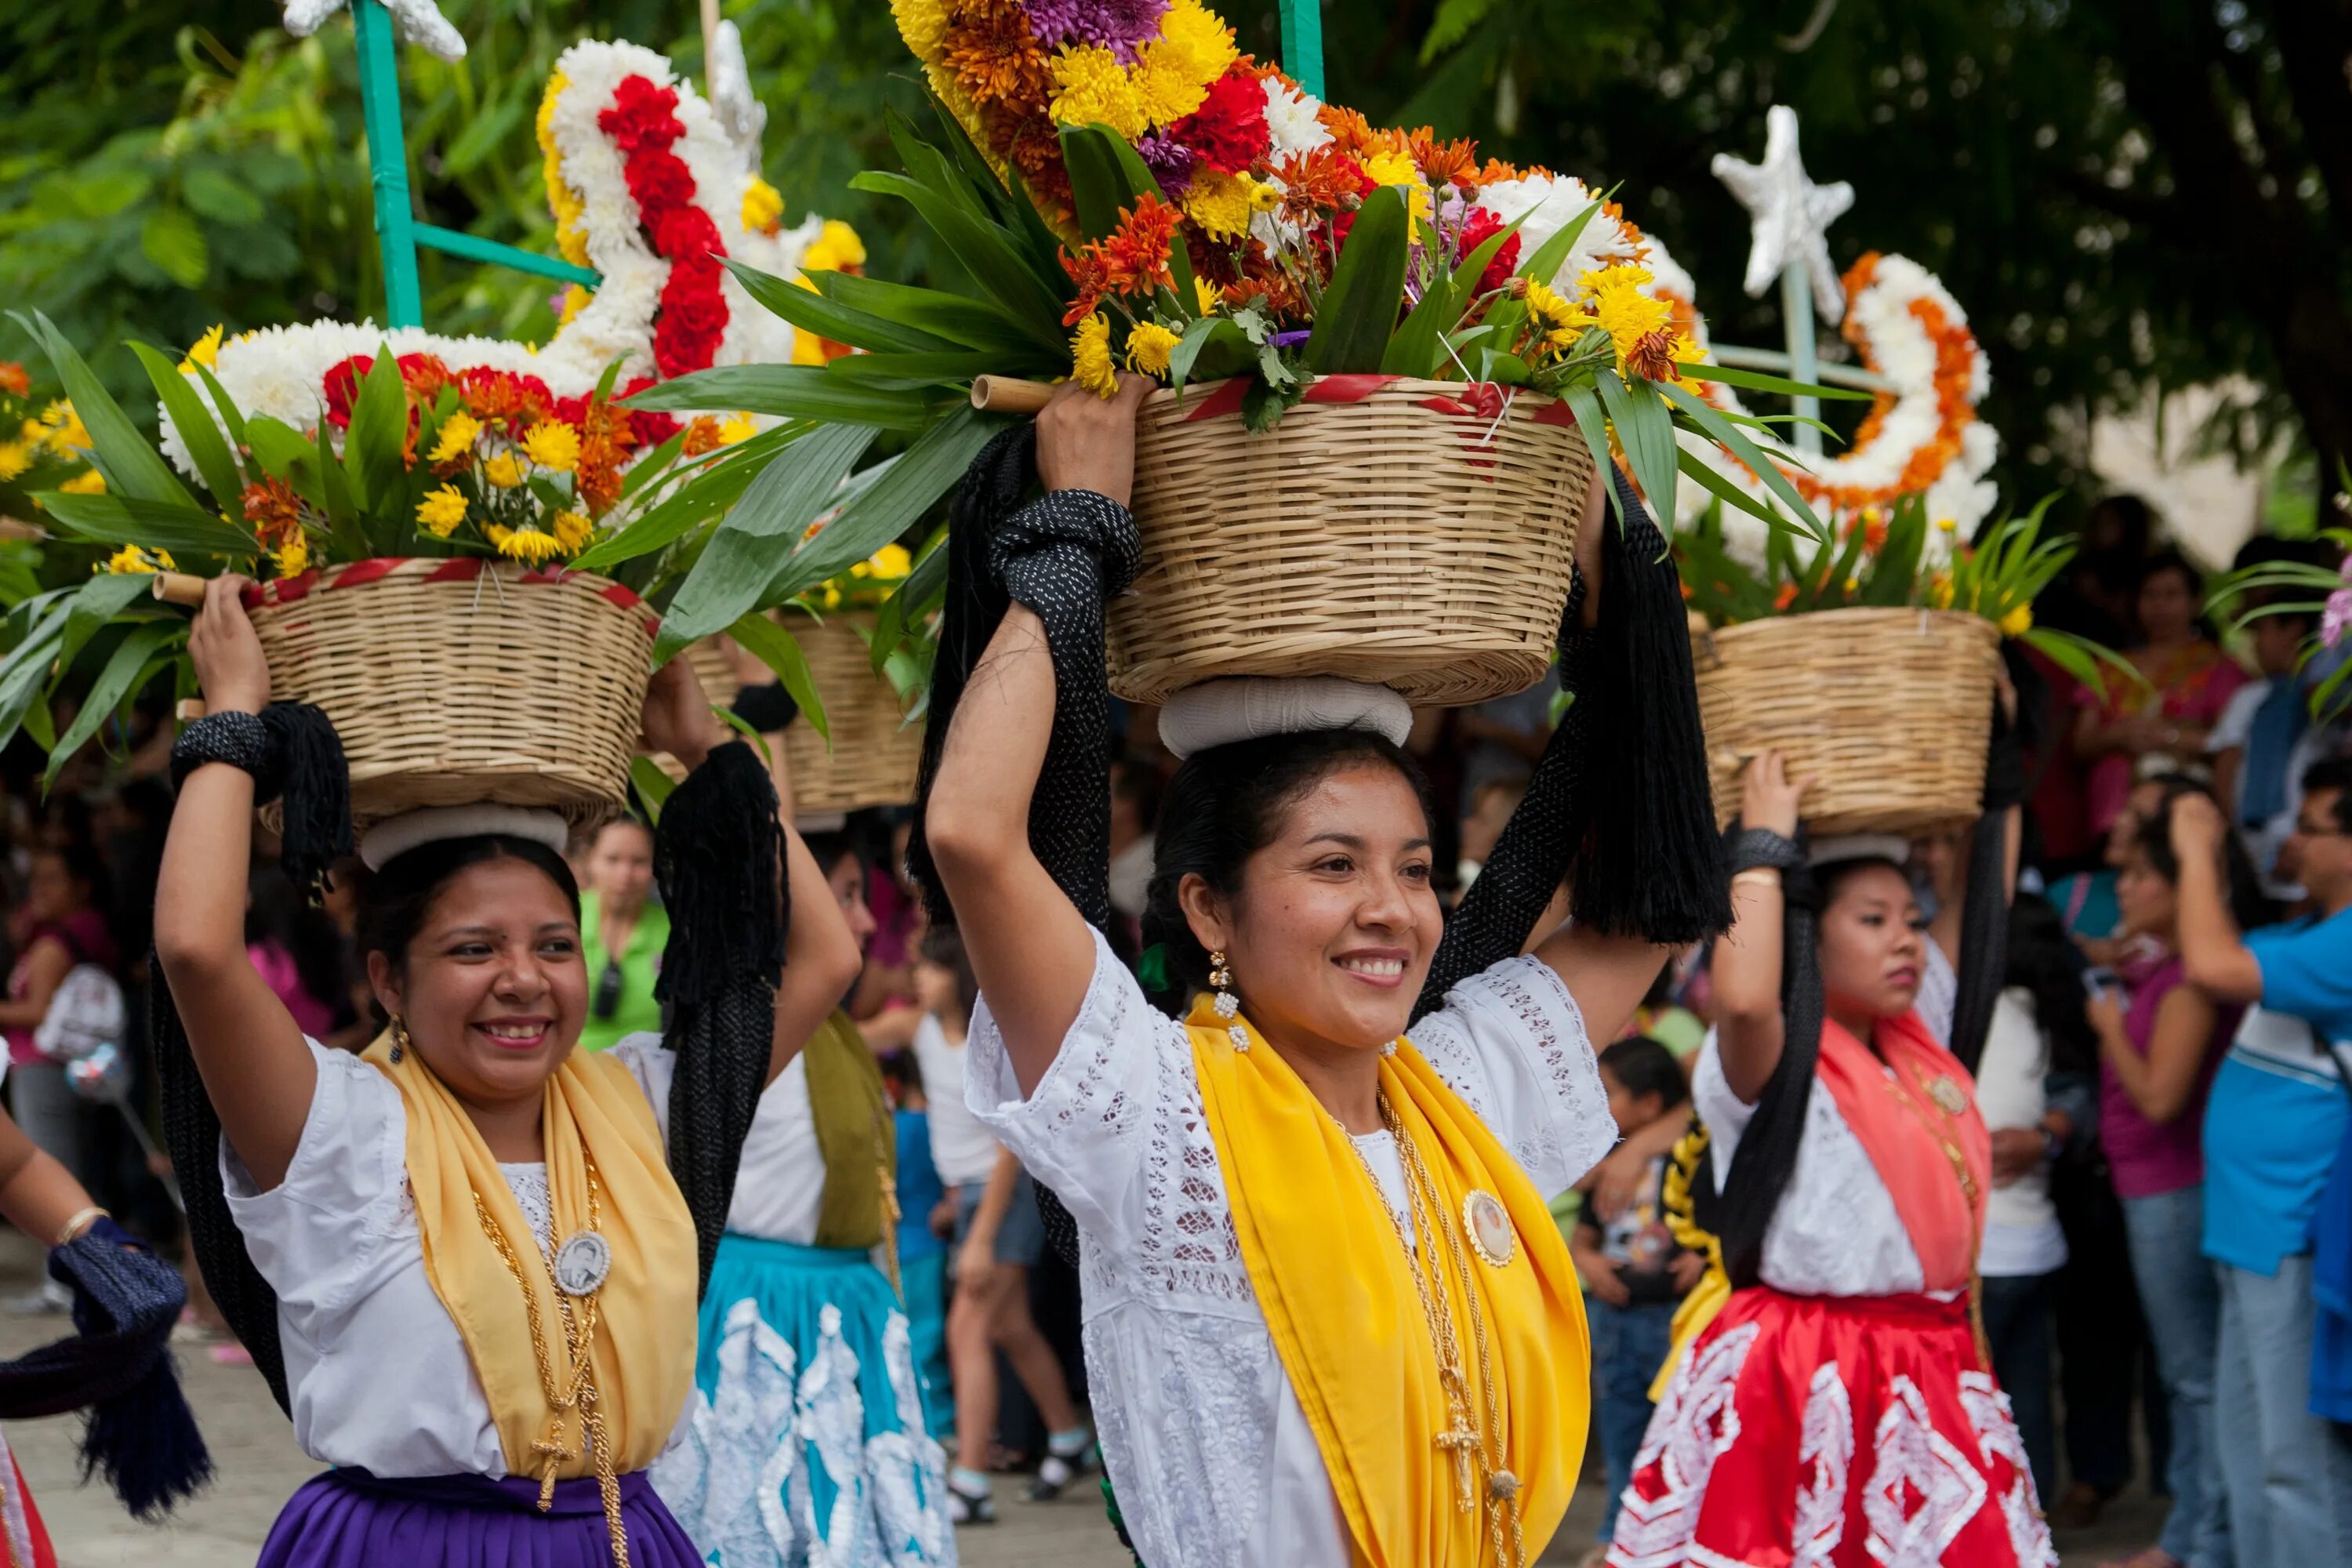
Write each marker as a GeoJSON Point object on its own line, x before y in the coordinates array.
{"type": "Point", "coordinates": [2130, 198]}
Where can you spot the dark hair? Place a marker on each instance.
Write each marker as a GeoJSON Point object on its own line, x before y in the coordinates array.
{"type": "Point", "coordinates": [2043, 960]}
{"type": "Point", "coordinates": [1224, 806]}
{"type": "Point", "coordinates": [624, 820]}
{"type": "Point", "coordinates": [2249, 906]}
{"type": "Point", "coordinates": [2334, 774]}
{"type": "Point", "coordinates": [82, 863]}
{"type": "Point", "coordinates": [1645, 1066]}
{"type": "Point", "coordinates": [943, 945]}
{"type": "Point", "coordinates": [1137, 781]}
{"type": "Point", "coordinates": [393, 900]}
{"type": "Point", "coordinates": [2170, 559]}
{"type": "Point", "coordinates": [276, 912]}
{"type": "Point", "coordinates": [830, 849]}
{"type": "Point", "coordinates": [1830, 878]}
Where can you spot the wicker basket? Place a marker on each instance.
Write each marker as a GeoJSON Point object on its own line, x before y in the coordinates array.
{"type": "Point", "coordinates": [460, 680]}
{"type": "Point", "coordinates": [1414, 533]}
{"type": "Point", "coordinates": [875, 753]}
{"type": "Point", "coordinates": [1887, 712]}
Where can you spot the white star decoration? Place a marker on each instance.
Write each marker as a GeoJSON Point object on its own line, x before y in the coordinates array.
{"type": "Point", "coordinates": [1788, 212]}
{"type": "Point", "coordinates": [418, 21]}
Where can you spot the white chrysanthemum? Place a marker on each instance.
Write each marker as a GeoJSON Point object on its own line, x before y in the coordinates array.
{"type": "Point", "coordinates": [1291, 122]}
{"type": "Point", "coordinates": [1549, 204]}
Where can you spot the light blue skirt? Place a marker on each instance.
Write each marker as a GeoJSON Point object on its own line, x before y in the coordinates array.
{"type": "Point", "coordinates": [806, 1437]}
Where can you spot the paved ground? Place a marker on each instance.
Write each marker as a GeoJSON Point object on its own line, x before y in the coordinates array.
{"type": "Point", "coordinates": [259, 1467]}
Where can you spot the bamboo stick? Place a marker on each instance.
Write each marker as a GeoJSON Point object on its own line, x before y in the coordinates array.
{"type": "Point", "coordinates": [1009, 395]}
{"type": "Point", "coordinates": [180, 588]}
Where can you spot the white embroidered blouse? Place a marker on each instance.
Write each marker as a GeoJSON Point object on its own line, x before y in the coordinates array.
{"type": "Point", "coordinates": [1207, 1445]}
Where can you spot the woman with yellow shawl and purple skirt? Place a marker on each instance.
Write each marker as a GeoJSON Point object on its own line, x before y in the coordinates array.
{"type": "Point", "coordinates": [467, 1260]}
{"type": "Point", "coordinates": [1328, 1319]}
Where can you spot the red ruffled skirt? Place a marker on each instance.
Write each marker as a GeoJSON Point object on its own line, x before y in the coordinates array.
{"type": "Point", "coordinates": [1827, 1432]}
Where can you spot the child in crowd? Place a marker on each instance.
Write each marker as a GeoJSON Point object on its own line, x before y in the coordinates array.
{"type": "Point", "coordinates": [1634, 1270]}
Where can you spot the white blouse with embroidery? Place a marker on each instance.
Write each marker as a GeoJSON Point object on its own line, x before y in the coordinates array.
{"type": "Point", "coordinates": [338, 1241]}
{"type": "Point", "coordinates": [1207, 1445]}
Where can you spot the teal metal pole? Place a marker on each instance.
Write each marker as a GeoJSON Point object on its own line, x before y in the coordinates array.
{"type": "Point", "coordinates": [404, 301]}
{"type": "Point", "coordinates": [1302, 43]}
{"type": "Point", "coordinates": [473, 248]}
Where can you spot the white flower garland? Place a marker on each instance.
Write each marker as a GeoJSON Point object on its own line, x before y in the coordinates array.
{"type": "Point", "coordinates": [280, 371]}
{"type": "Point", "coordinates": [1881, 314]}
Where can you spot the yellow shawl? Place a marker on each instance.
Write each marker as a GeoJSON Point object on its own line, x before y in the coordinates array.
{"type": "Point", "coordinates": [642, 1353]}
{"type": "Point", "coordinates": [1347, 1318]}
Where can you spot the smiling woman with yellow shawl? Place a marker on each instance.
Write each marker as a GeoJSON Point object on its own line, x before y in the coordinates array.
{"type": "Point", "coordinates": [467, 1260]}
{"type": "Point", "coordinates": [1329, 1318]}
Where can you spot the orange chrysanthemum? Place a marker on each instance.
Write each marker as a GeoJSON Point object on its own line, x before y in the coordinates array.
{"type": "Point", "coordinates": [701, 436]}
{"type": "Point", "coordinates": [1320, 183]}
{"type": "Point", "coordinates": [1651, 357]}
{"type": "Point", "coordinates": [996, 57]}
{"type": "Point", "coordinates": [14, 379]}
{"type": "Point", "coordinates": [275, 513]}
{"type": "Point", "coordinates": [1442, 162]}
{"type": "Point", "coordinates": [1091, 277]}
{"type": "Point", "coordinates": [1136, 254]}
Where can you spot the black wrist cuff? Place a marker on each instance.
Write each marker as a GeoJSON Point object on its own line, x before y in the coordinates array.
{"type": "Point", "coordinates": [1761, 846]}
{"type": "Point", "coordinates": [240, 739]}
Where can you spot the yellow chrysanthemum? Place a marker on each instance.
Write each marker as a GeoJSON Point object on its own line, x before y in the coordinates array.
{"type": "Point", "coordinates": [573, 531]}
{"type": "Point", "coordinates": [763, 206]}
{"type": "Point", "coordinates": [1219, 204]}
{"type": "Point", "coordinates": [575, 300]}
{"type": "Point", "coordinates": [503, 472]}
{"type": "Point", "coordinates": [1399, 169]}
{"type": "Point", "coordinates": [1546, 305]}
{"type": "Point", "coordinates": [1940, 590]}
{"type": "Point", "coordinates": [1207, 293]}
{"type": "Point", "coordinates": [836, 249]}
{"type": "Point", "coordinates": [293, 558]}
{"type": "Point", "coordinates": [206, 352]}
{"type": "Point", "coordinates": [1621, 308]}
{"type": "Point", "coordinates": [2018, 622]}
{"type": "Point", "coordinates": [737, 428]}
{"type": "Point", "coordinates": [553, 445]}
{"type": "Point", "coordinates": [528, 545]}
{"type": "Point", "coordinates": [14, 458]}
{"type": "Point", "coordinates": [439, 513]}
{"type": "Point", "coordinates": [570, 210]}
{"type": "Point", "coordinates": [62, 430]}
{"type": "Point", "coordinates": [1090, 85]}
{"type": "Point", "coordinates": [1172, 72]}
{"type": "Point", "coordinates": [128, 559]}
{"type": "Point", "coordinates": [458, 434]}
{"type": "Point", "coordinates": [1149, 346]}
{"type": "Point", "coordinates": [923, 24]}
{"type": "Point", "coordinates": [1947, 525]}
{"type": "Point", "coordinates": [89, 482]}
{"type": "Point", "coordinates": [1090, 356]}
{"type": "Point", "coordinates": [891, 562]}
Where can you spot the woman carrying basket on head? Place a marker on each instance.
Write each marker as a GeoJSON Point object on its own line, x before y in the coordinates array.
{"type": "Point", "coordinates": [1837, 1407]}
{"type": "Point", "coordinates": [1329, 1319]}
{"type": "Point", "coordinates": [467, 1260]}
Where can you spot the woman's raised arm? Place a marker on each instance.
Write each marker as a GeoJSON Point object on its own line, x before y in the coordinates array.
{"type": "Point", "coordinates": [258, 1072]}
{"type": "Point", "coordinates": [1750, 1028]}
{"type": "Point", "coordinates": [1030, 947]}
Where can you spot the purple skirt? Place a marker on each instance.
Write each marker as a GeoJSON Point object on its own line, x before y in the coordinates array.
{"type": "Point", "coordinates": [350, 1518]}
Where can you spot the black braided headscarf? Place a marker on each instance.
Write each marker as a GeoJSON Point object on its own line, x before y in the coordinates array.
{"type": "Point", "coordinates": [717, 858]}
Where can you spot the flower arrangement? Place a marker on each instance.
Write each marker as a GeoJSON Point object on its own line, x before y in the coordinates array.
{"type": "Point", "coordinates": [43, 443]}
{"type": "Point", "coordinates": [1922, 438]}
{"type": "Point", "coordinates": [1891, 557]}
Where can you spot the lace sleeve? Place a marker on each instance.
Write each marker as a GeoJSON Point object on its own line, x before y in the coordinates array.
{"type": "Point", "coordinates": [1087, 1131]}
{"type": "Point", "coordinates": [1511, 1043]}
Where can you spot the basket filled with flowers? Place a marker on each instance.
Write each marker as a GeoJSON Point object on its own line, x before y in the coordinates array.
{"type": "Point", "coordinates": [1385, 362]}
{"type": "Point", "coordinates": [872, 747]}
{"type": "Point", "coordinates": [1870, 662]}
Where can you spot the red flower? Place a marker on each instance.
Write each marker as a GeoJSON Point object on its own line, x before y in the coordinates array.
{"type": "Point", "coordinates": [693, 317]}
{"type": "Point", "coordinates": [642, 115]}
{"type": "Point", "coordinates": [1476, 230]}
{"type": "Point", "coordinates": [424, 375]}
{"type": "Point", "coordinates": [343, 388]}
{"type": "Point", "coordinates": [686, 232]}
{"type": "Point", "coordinates": [502, 394]}
{"type": "Point", "coordinates": [649, 428]}
{"type": "Point", "coordinates": [659, 181]}
{"type": "Point", "coordinates": [12, 379]}
{"type": "Point", "coordinates": [1228, 132]}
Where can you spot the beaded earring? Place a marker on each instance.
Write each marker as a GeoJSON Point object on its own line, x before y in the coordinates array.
{"type": "Point", "coordinates": [1388, 1049]}
{"type": "Point", "coordinates": [400, 1041]}
{"type": "Point", "coordinates": [1228, 1004]}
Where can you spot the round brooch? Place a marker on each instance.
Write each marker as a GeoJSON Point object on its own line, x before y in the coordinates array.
{"type": "Point", "coordinates": [1489, 1225]}
{"type": "Point", "coordinates": [581, 1263]}
{"type": "Point", "coordinates": [1950, 1097]}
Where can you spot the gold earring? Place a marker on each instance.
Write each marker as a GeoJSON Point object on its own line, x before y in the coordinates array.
{"type": "Point", "coordinates": [400, 1041]}
{"type": "Point", "coordinates": [1228, 1004]}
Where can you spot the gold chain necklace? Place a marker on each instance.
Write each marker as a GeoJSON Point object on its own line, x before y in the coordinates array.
{"type": "Point", "coordinates": [1491, 1484]}
{"type": "Point", "coordinates": [577, 1390]}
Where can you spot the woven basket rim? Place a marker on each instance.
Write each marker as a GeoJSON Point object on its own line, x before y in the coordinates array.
{"type": "Point", "coordinates": [1364, 385]}
{"type": "Point", "coordinates": [282, 592]}
{"type": "Point", "coordinates": [1845, 613]}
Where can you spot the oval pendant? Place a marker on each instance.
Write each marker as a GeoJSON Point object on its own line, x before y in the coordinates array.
{"type": "Point", "coordinates": [1950, 1097]}
{"type": "Point", "coordinates": [1489, 1225]}
{"type": "Point", "coordinates": [581, 1263]}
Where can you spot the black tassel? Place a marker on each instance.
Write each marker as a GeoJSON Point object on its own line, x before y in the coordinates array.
{"type": "Point", "coordinates": [314, 783]}
{"type": "Point", "coordinates": [1650, 860]}
{"type": "Point", "coordinates": [718, 855]}
{"type": "Point", "coordinates": [1984, 911]}
{"type": "Point", "coordinates": [146, 1444]}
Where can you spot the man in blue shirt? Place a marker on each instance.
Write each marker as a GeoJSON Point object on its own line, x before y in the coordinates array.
{"type": "Point", "coordinates": [2272, 1125]}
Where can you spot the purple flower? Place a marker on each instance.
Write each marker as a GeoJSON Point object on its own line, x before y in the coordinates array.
{"type": "Point", "coordinates": [2335, 617]}
{"type": "Point", "coordinates": [1291, 340]}
{"type": "Point", "coordinates": [1118, 26]}
{"type": "Point", "coordinates": [1168, 159]}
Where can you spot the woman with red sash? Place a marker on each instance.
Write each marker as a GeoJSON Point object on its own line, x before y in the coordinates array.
{"type": "Point", "coordinates": [1838, 1409]}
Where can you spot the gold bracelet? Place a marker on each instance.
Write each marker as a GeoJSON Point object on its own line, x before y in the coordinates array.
{"type": "Point", "coordinates": [1756, 875]}
{"type": "Point", "coordinates": [91, 1214]}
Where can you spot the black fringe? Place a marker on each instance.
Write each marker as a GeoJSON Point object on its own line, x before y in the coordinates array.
{"type": "Point", "coordinates": [719, 858]}
{"type": "Point", "coordinates": [315, 785]}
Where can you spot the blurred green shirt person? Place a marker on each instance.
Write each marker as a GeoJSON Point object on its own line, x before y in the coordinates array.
{"type": "Point", "coordinates": [622, 934]}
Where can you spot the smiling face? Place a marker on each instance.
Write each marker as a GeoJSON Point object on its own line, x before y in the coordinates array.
{"type": "Point", "coordinates": [492, 987]}
{"type": "Point", "coordinates": [1871, 948]}
{"type": "Point", "coordinates": [1333, 925]}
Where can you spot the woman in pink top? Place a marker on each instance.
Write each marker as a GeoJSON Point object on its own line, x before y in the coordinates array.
{"type": "Point", "coordinates": [2160, 1044]}
{"type": "Point", "coordinates": [61, 927]}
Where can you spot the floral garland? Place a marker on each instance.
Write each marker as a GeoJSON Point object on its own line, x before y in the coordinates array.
{"type": "Point", "coordinates": [646, 187]}
{"type": "Point", "coordinates": [1923, 438]}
